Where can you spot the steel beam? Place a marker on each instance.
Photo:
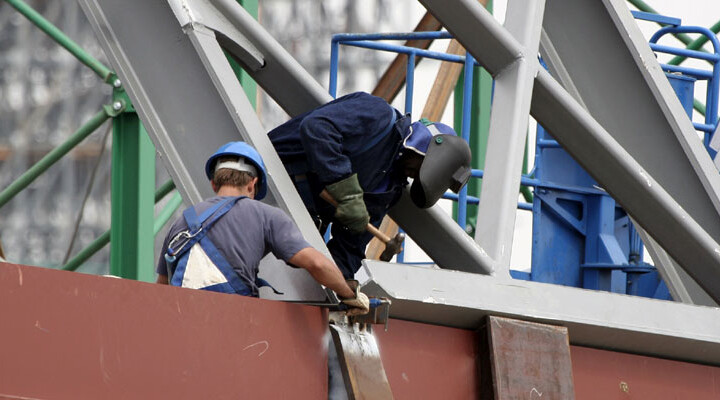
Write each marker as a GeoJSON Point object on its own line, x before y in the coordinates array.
{"type": "Point", "coordinates": [682, 287]}
{"type": "Point", "coordinates": [507, 136]}
{"type": "Point", "coordinates": [179, 66]}
{"type": "Point", "coordinates": [594, 319]}
{"type": "Point", "coordinates": [656, 133]}
{"type": "Point", "coordinates": [441, 237]}
{"type": "Point", "coordinates": [619, 158]}
{"type": "Point", "coordinates": [186, 114]}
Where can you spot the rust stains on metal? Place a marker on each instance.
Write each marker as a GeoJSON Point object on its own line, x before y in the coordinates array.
{"type": "Point", "coordinates": [71, 335]}
{"type": "Point", "coordinates": [428, 361]}
{"type": "Point", "coordinates": [608, 375]}
{"type": "Point", "coordinates": [529, 360]}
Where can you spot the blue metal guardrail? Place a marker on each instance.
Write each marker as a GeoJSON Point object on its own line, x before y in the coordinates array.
{"type": "Point", "coordinates": [595, 244]}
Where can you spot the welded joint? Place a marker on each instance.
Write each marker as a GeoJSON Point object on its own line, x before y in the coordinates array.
{"type": "Point", "coordinates": [213, 24]}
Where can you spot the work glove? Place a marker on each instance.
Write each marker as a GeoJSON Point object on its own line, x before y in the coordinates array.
{"type": "Point", "coordinates": [351, 211]}
{"type": "Point", "coordinates": [360, 304]}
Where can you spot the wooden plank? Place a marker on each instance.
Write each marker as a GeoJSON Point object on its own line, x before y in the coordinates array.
{"type": "Point", "coordinates": [394, 77]}
{"type": "Point", "coordinates": [437, 101]}
{"type": "Point", "coordinates": [529, 360]}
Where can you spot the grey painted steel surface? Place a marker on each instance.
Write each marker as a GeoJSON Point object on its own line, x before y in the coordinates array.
{"type": "Point", "coordinates": [170, 87]}
{"type": "Point", "coordinates": [628, 182]}
{"type": "Point", "coordinates": [441, 237]}
{"type": "Point", "coordinates": [596, 319]}
{"type": "Point", "coordinates": [296, 92]}
{"type": "Point", "coordinates": [158, 61]}
{"type": "Point", "coordinates": [635, 102]}
{"type": "Point", "coordinates": [508, 131]}
{"type": "Point", "coordinates": [682, 287]}
{"type": "Point", "coordinates": [598, 151]}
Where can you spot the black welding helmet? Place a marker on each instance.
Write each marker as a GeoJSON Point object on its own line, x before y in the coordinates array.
{"type": "Point", "coordinates": [446, 163]}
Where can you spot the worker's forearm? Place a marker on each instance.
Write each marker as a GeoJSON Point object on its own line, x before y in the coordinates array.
{"type": "Point", "coordinates": [330, 277]}
{"type": "Point", "coordinates": [323, 270]}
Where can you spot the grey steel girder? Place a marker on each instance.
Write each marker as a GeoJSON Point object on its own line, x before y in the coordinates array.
{"type": "Point", "coordinates": [189, 113]}
{"type": "Point", "coordinates": [441, 237]}
{"type": "Point", "coordinates": [190, 104]}
{"type": "Point", "coordinates": [657, 133]}
{"type": "Point", "coordinates": [508, 132]}
{"type": "Point", "coordinates": [594, 319]}
{"type": "Point", "coordinates": [672, 219]}
{"type": "Point", "coordinates": [682, 287]}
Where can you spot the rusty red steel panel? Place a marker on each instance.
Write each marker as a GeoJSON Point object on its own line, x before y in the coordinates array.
{"type": "Point", "coordinates": [428, 361]}
{"type": "Point", "coordinates": [529, 360]}
{"type": "Point", "coordinates": [66, 335]}
{"type": "Point", "coordinates": [608, 375]}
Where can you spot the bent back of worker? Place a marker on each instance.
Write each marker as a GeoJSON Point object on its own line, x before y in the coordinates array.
{"type": "Point", "coordinates": [235, 234]}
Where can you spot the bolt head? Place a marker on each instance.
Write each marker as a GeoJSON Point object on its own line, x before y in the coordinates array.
{"type": "Point", "coordinates": [117, 106]}
{"type": "Point", "coordinates": [117, 83]}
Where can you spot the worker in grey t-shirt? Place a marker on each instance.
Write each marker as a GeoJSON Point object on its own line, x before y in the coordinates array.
{"type": "Point", "coordinates": [217, 245]}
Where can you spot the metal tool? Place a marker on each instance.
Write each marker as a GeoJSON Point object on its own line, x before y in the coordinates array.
{"type": "Point", "coordinates": [379, 313]}
{"type": "Point", "coordinates": [360, 362]}
{"type": "Point", "coordinates": [392, 245]}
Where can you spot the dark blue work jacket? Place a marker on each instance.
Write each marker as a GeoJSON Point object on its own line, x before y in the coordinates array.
{"type": "Point", "coordinates": [357, 133]}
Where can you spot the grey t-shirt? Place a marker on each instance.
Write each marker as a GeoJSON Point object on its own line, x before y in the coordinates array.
{"type": "Point", "coordinates": [248, 232]}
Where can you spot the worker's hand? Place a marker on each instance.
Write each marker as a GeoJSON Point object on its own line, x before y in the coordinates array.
{"type": "Point", "coordinates": [360, 304]}
{"type": "Point", "coordinates": [351, 210]}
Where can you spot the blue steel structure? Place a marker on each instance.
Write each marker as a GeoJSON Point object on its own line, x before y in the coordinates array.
{"type": "Point", "coordinates": [581, 237]}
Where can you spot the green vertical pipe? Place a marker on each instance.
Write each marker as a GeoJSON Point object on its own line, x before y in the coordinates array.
{"type": "Point", "coordinates": [167, 212]}
{"type": "Point", "coordinates": [132, 196]}
{"type": "Point", "coordinates": [56, 34]}
{"type": "Point", "coordinates": [479, 130]}
{"type": "Point", "coordinates": [248, 84]}
{"type": "Point", "coordinates": [52, 157]}
{"type": "Point", "coordinates": [104, 239]}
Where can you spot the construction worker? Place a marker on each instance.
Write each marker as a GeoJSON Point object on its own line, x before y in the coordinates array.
{"type": "Point", "coordinates": [361, 151]}
{"type": "Point", "coordinates": [217, 244]}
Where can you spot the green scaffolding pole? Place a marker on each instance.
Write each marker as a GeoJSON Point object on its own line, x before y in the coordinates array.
{"type": "Point", "coordinates": [132, 187]}
{"type": "Point", "coordinates": [685, 39]}
{"type": "Point", "coordinates": [248, 84]}
{"type": "Point", "coordinates": [479, 130]}
{"type": "Point", "coordinates": [55, 155]}
{"type": "Point", "coordinates": [100, 242]}
{"type": "Point", "coordinates": [57, 35]}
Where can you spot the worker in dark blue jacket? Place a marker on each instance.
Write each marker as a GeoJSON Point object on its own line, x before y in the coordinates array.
{"type": "Point", "coordinates": [362, 150]}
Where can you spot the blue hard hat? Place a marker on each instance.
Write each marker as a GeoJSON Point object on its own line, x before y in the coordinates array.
{"type": "Point", "coordinates": [240, 149]}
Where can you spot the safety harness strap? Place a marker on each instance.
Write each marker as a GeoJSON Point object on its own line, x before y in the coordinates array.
{"type": "Point", "coordinates": [198, 227]}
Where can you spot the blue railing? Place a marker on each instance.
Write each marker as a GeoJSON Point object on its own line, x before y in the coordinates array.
{"type": "Point", "coordinates": [713, 77]}
{"type": "Point", "coordinates": [368, 41]}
